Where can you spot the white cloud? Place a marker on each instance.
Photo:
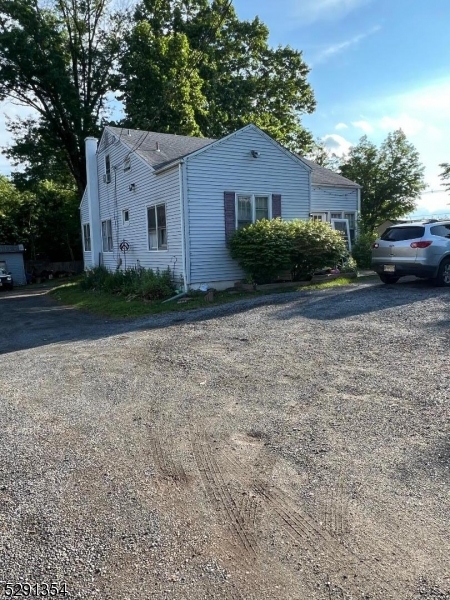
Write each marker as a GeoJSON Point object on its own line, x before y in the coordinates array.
{"type": "Point", "coordinates": [317, 10]}
{"type": "Point", "coordinates": [336, 144]}
{"type": "Point", "coordinates": [409, 125]}
{"type": "Point", "coordinates": [341, 126]}
{"type": "Point", "coordinates": [334, 49]}
{"type": "Point", "coordinates": [364, 125]}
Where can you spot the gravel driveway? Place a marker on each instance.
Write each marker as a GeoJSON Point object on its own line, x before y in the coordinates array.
{"type": "Point", "coordinates": [286, 448]}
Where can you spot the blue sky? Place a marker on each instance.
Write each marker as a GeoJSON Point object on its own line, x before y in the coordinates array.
{"type": "Point", "coordinates": [376, 65]}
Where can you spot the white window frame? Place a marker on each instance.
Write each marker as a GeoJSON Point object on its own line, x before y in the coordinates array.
{"type": "Point", "coordinates": [323, 216]}
{"type": "Point", "coordinates": [333, 221]}
{"type": "Point", "coordinates": [252, 196]}
{"type": "Point", "coordinates": [87, 237]}
{"type": "Point", "coordinates": [108, 238]}
{"type": "Point", "coordinates": [125, 223]}
{"type": "Point", "coordinates": [155, 207]}
{"type": "Point", "coordinates": [127, 164]}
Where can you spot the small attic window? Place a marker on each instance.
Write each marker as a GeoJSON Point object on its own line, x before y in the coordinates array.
{"type": "Point", "coordinates": [127, 164]}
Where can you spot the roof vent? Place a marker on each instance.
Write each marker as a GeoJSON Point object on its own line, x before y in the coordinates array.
{"type": "Point", "coordinates": [157, 147]}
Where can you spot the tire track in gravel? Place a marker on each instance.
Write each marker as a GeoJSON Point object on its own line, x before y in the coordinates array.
{"type": "Point", "coordinates": [165, 463]}
{"type": "Point", "coordinates": [335, 516]}
{"type": "Point", "coordinates": [341, 562]}
{"type": "Point", "coordinates": [319, 541]}
{"type": "Point", "coordinates": [336, 522]}
{"type": "Point", "coordinates": [238, 518]}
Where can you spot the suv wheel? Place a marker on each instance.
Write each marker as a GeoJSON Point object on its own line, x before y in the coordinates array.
{"type": "Point", "coordinates": [443, 276]}
{"type": "Point", "coordinates": [388, 278]}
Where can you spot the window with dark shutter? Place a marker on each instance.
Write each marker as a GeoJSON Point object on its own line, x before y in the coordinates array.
{"type": "Point", "coordinates": [276, 206]}
{"type": "Point", "coordinates": [230, 214]}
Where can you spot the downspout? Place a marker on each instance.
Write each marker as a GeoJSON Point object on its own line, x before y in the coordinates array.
{"type": "Point", "coordinates": [186, 225]}
{"type": "Point", "coordinates": [310, 194]}
{"type": "Point", "coordinates": [183, 236]}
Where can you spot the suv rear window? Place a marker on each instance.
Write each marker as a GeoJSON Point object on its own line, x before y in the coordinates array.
{"type": "Point", "coordinates": [398, 234]}
{"type": "Point", "coordinates": [441, 230]}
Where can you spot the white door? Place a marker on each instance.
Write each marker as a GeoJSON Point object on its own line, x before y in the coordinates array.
{"type": "Point", "coordinates": [342, 226]}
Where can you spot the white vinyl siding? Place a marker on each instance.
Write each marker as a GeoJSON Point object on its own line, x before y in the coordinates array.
{"type": "Point", "coordinates": [230, 167]}
{"type": "Point", "coordinates": [150, 189]}
{"type": "Point", "coordinates": [335, 203]}
{"type": "Point", "coordinates": [333, 199]}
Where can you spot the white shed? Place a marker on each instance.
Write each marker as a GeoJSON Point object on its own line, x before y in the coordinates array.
{"type": "Point", "coordinates": [11, 258]}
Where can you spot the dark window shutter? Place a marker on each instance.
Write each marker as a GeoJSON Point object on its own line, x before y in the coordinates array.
{"type": "Point", "coordinates": [230, 214]}
{"type": "Point", "coordinates": [276, 206]}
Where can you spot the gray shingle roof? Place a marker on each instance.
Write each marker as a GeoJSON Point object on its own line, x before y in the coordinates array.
{"type": "Point", "coordinates": [173, 147]}
{"type": "Point", "coordinates": [322, 176]}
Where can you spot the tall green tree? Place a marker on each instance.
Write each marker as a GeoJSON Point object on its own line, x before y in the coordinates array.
{"type": "Point", "coordinates": [391, 176]}
{"type": "Point", "coordinates": [322, 156]}
{"type": "Point", "coordinates": [445, 175]}
{"type": "Point", "coordinates": [209, 73]}
{"type": "Point", "coordinates": [59, 58]}
{"type": "Point", "coordinates": [44, 219]}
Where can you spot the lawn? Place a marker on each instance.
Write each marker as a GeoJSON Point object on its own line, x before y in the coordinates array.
{"type": "Point", "coordinates": [119, 307]}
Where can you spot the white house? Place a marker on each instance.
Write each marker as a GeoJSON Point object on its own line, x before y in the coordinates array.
{"type": "Point", "coordinates": [158, 200]}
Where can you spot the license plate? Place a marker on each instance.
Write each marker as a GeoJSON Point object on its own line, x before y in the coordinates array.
{"type": "Point", "coordinates": [389, 268]}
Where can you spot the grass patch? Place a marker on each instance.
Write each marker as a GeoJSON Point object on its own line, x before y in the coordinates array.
{"type": "Point", "coordinates": [118, 307]}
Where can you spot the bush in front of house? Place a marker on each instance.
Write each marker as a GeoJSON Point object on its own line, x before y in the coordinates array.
{"type": "Point", "coordinates": [263, 249]}
{"type": "Point", "coordinates": [362, 249]}
{"type": "Point", "coordinates": [139, 283]}
{"type": "Point", "coordinates": [266, 248]}
{"type": "Point", "coordinates": [315, 246]}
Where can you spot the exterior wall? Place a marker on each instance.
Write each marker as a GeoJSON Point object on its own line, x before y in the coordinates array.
{"type": "Point", "coordinates": [229, 166]}
{"type": "Point", "coordinates": [150, 189]}
{"type": "Point", "coordinates": [84, 218]}
{"type": "Point", "coordinates": [330, 199]}
{"type": "Point", "coordinates": [14, 264]}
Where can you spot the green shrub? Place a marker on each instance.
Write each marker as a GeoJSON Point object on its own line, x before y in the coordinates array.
{"type": "Point", "coordinates": [266, 248]}
{"type": "Point", "coordinates": [315, 246]}
{"type": "Point", "coordinates": [348, 264]}
{"type": "Point", "coordinates": [143, 283]}
{"type": "Point", "coordinates": [263, 249]}
{"type": "Point", "coordinates": [362, 249]}
{"type": "Point", "coordinates": [156, 286]}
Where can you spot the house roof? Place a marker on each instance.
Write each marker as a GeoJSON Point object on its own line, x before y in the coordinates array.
{"type": "Point", "coordinates": [322, 176]}
{"type": "Point", "coordinates": [171, 147]}
{"type": "Point", "coordinates": [9, 249]}
{"type": "Point", "coordinates": [175, 147]}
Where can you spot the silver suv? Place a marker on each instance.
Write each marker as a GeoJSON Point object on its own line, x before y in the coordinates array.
{"type": "Point", "coordinates": [418, 248]}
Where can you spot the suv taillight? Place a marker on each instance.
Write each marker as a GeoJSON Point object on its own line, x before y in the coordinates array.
{"type": "Point", "coordinates": [376, 245]}
{"type": "Point", "coordinates": [420, 244]}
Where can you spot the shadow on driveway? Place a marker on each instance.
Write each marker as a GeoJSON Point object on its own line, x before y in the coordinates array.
{"type": "Point", "coordinates": [30, 318]}
{"type": "Point", "coordinates": [353, 301]}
